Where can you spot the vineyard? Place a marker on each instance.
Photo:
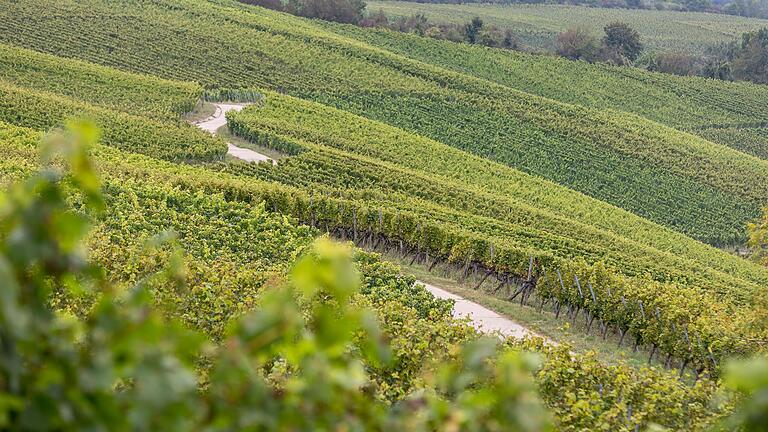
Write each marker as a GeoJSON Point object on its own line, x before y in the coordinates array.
{"type": "Point", "coordinates": [537, 25]}
{"type": "Point", "coordinates": [361, 154]}
{"type": "Point", "coordinates": [681, 102]}
{"type": "Point", "coordinates": [587, 191]}
{"type": "Point", "coordinates": [172, 141]}
{"type": "Point", "coordinates": [752, 140]}
{"type": "Point", "coordinates": [606, 154]}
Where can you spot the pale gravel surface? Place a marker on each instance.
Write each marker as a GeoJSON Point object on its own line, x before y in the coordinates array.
{"type": "Point", "coordinates": [482, 318]}
{"type": "Point", "coordinates": [213, 123]}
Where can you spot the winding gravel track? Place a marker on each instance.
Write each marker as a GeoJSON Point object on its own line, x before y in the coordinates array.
{"type": "Point", "coordinates": [483, 319]}
{"type": "Point", "coordinates": [218, 120]}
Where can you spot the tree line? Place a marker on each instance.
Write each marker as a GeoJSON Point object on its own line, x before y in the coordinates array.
{"type": "Point", "coordinates": [747, 8]}
{"type": "Point", "coordinates": [475, 31]}
{"type": "Point", "coordinates": [745, 59]}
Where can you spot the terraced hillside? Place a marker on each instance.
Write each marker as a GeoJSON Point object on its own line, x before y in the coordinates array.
{"type": "Point", "coordinates": [361, 151]}
{"type": "Point", "coordinates": [749, 139]}
{"type": "Point", "coordinates": [366, 166]}
{"type": "Point", "coordinates": [166, 140]}
{"type": "Point", "coordinates": [138, 113]}
{"type": "Point", "coordinates": [351, 173]}
{"type": "Point", "coordinates": [685, 103]}
{"type": "Point", "coordinates": [731, 114]}
{"type": "Point", "coordinates": [539, 25]}
{"type": "Point", "coordinates": [612, 156]}
{"type": "Point", "coordinates": [98, 85]}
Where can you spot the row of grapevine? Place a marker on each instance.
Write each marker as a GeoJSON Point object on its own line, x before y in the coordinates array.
{"type": "Point", "coordinates": [716, 329]}
{"type": "Point", "coordinates": [620, 396]}
{"type": "Point", "coordinates": [434, 200]}
{"type": "Point", "coordinates": [233, 95]}
{"type": "Point", "coordinates": [165, 140]}
{"type": "Point", "coordinates": [98, 85]}
{"type": "Point", "coordinates": [588, 158]}
{"type": "Point", "coordinates": [752, 140]}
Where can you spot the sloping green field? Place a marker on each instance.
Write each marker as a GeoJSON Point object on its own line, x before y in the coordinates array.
{"type": "Point", "coordinates": [174, 140]}
{"type": "Point", "coordinates": [681, 102]}
{"type": "Point", "coordinates": [490, 161]}
{"type": "Point", "coordinates": [110, 88]}
{"type": "Point", "coordinates": [609, 155]}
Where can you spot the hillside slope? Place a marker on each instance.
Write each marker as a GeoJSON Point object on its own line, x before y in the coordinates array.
{"type": "Point", "coordinates": [170, 140]}
{"type": "Point", "coordinates": [612, 156]}
{"type": "Point", "coordinates": [446, 205]}
{"type": "Point", "coordinates": [684, 103]}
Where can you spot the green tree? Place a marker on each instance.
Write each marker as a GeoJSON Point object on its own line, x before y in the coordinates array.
{"type": "Point", "coordinates": [472, 29]}
{"type": "Point", "coordinates": [674, 63]}
{"type": "Point", "coordinates": [697, 5]}
{"type": "Point", "coordinates": [577, 44]}
{"type": "Point", "coordinates": [343, 11]}
{"type": "Point", "coordinates": [622, 40]}
{"type": "Point", "coordinates": [510, 40]}
{"type": "Point", "coordinates": [750, 62]}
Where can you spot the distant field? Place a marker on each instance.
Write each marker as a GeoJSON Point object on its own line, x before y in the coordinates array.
{"type": "Point", "coordinates": [538, 25]}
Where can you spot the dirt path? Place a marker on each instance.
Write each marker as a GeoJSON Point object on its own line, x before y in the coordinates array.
{"type": "Point", "coordinates": [213, 123]}
{"type": "Point", "coordinates": [482, 318]}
